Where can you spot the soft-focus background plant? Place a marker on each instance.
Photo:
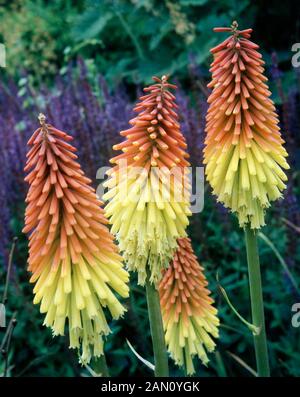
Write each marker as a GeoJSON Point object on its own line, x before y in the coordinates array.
{"type": "Point", "coordinates": [83, 63]}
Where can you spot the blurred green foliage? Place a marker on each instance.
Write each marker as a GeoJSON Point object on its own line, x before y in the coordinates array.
{"type": "Point", "coordinates": [35, 34]}
{"type": "Point", "coordinates": [133, 39]}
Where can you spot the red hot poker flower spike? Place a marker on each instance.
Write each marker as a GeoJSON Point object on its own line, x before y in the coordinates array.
{"type": "Point", "coordinates": [72, 257]}
{"type": "Point", "coordinates": [188, 314]}
{"type": "Point", "coordinates": [149, 195]}
{"type": "Point", "coordinates": [244, 153]}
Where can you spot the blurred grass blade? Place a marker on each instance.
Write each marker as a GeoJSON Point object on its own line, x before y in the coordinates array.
{"type": "Point", "coordinates": [143, 360]}
{"type": "Point", "coordinates": [291, 225]}
{"type": "Point", "coordinates": [243, 364]}
{"type": "Point", "coordinates": [4, 298]}
{"type": "Point", "coordinates": [281, 260]}
{"type": "Point", "coordinates": [92, 372]}
{"type": "Point", "coordinates": [253, 328]}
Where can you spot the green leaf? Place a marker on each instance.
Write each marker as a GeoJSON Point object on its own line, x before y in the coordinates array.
{"type": "Point", "coordinates": [280, 259]}
{"type": "Point", "coordinates": [193, 2]}
{"type": "Point", "coordinates": [253, 328]}
{"type": "Point", "coordinates": [156, 39]}
{"type": "Point", "coordinates": [22, 81]}
{"type": "Point", "coordinates": [91, 24]}
{"type": "Point", "coordinates": [143, 360]}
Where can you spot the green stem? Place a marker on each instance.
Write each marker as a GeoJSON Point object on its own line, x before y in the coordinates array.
{"type": "Point", "coordinates": [131, 35]}
{"type": "Point", "coordinates": [100, 366]}
{"type": "Point", "coordinates": [257, 307]}
{"type": "Point", "coordinates": [9, 267]}
{"type": "Point", "coordinates": [157, 331]}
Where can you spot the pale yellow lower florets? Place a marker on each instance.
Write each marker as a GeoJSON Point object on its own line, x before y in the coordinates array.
{"type": "Point", "coordinates": [249, 184]}
{"type": "Point", "coordinates": [147, 218]}
{"type": "Point", "coordinates": [79, 292]}
{"type": "Point", "coordinates": [192, 337]}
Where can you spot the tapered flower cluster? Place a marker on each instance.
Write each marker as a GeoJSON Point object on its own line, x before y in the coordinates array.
{"type": "Point", "coordinates": [149, 186]}
{"type": "Point", "coordinates": [74, 263]}
{"type": "Point", "coordinates": [244, 155]}
{"type": "Point", "coordinates": [188, 314]}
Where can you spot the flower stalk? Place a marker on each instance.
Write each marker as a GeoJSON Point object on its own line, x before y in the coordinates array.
{"type": "Point", "coordinates": [157, 331]}
{"type": "Point", "coordinates": [100, 366]}
{"type": "Point", "coordinates": [257, 306]}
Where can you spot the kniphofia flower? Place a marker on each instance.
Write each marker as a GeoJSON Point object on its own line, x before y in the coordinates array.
{"type": "Point", "coordinates": [189, 317]}
{"type": "Point", "coordinates": [74, 263]}
{"type": "Point", "coordinates": [149, 187]}
{"type": "Point", "coordinates": [244, 155]}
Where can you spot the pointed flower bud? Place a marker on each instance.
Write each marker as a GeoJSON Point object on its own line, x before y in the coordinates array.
{"type": "Point", "coordinates": [149, 187]}
{"type": "Point", "coordinates": [188, 314]}
{"type": "Point", "coordinates": [74, 263]}
{"type": "Point", "coordinates": [244, 155]}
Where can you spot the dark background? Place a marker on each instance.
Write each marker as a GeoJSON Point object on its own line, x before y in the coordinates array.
{"type": "Point", "coordinates": [83, 63]}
